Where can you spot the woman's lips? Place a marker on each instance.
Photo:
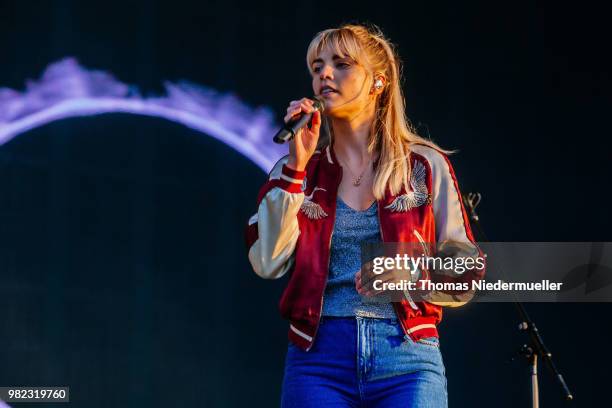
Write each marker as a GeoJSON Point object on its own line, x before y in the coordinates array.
{"type": "Point", "coordinates": [328, 92]}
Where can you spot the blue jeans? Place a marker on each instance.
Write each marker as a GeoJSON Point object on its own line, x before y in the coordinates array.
{"type": "Point", "coordinates": [364, 362]}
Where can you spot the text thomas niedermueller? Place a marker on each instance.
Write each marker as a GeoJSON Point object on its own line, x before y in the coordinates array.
{"type": "Point", "coordinates": [457, 264]}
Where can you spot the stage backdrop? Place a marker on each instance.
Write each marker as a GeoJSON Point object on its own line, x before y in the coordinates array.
{"type": "Point", "coordinates": [123, 268]}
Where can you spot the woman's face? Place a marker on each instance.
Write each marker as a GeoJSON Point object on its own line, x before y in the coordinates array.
{"type": "Point", "coordinates": [343, 84]}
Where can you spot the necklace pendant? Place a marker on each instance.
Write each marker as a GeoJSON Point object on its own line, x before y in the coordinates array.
{"type": "Point", "coordinates": [357, 182]}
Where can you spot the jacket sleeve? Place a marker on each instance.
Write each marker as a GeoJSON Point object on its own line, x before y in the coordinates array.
{"type": "Point", "coordinates": [272, 232]}
{"type": "Point", "coordinates": [453, 235]}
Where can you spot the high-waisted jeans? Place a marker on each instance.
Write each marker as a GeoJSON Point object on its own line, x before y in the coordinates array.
{"type": "Point", "coordinates": [364, 362]}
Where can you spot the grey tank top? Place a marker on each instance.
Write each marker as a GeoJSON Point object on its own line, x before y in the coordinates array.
{"type": "Point", "coordinates": [351, 228]}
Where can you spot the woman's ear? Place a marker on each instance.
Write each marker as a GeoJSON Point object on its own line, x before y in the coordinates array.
{"type": "Point", "coordinates": [379, 84]}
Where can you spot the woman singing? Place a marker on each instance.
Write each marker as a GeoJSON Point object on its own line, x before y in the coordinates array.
{"type": "Point", "coordinates": [358, 173]}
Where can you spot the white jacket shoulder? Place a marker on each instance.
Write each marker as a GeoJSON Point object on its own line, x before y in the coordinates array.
{"type": "Point", "coordinates": [435, 158]}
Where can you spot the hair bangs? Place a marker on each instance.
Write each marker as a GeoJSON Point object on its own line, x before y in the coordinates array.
{"type": "Point", "coordinates": [342, 42]}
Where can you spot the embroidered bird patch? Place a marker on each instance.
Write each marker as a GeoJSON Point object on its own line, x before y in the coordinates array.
{"type": "Point", "coordinates": [311, 209]}
{"type": "Point", "coordinates": [419, 194]}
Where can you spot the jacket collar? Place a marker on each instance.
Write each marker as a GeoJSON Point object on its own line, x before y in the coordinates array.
{"type": "Point", "coordinates": [330, 156]}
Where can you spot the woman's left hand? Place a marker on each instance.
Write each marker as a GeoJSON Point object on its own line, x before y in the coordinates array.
{"type": "Point", "coordinates": [365, 286]}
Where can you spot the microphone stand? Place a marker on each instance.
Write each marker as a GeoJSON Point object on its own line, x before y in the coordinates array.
{"type": "Point", "coordinates": [536, 347]}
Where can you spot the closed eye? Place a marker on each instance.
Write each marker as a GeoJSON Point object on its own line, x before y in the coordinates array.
{"type": "Point", "coordinates": [340, 65]}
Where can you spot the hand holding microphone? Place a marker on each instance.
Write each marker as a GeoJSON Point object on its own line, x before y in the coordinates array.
{"type": "Point", "coordinates": [302, 139]}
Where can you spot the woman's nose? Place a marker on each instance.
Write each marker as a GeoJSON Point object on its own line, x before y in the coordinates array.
{"type": "Point", "coordinates": [326, 72]}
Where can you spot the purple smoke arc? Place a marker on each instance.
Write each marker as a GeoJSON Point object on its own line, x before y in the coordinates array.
{"type": "Point", "coordinates": [66, 90]}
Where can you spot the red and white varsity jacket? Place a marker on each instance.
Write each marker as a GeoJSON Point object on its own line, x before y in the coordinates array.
{"type": "Point", "coordinates": [293, 227]}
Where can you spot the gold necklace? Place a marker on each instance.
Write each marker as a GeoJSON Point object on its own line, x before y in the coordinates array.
{"type": "Point", "coordinates": [357, 181]}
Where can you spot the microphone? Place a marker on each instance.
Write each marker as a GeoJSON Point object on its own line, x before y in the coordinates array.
{"type": "Point", "coordinates": [289, 129]}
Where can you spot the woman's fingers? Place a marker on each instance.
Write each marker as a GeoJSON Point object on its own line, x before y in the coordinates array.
{"type": "Point", "coordinates": [296, 107]}
{"type": "Point", "coordinates": [366, 287]}
{"type": "Point", "coordinates": [291, 113]}
{"type": "Point", "coordinates": [306, 108]}
{"type": "Point", "coordinates": [304, 143]}
{"type": "Point", "coordinates": [294, 104]}
{"type": "Point", "coordinates": [316, 122]}
{"type": "Point", "coordinates": [389, 276]}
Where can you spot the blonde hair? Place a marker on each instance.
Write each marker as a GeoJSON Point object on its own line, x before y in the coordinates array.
{"type": "Point", "coordinates": [391, 133]}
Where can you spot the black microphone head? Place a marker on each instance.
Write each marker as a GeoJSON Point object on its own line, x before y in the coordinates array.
{"type": "Point", "coordinates": [318, 103]}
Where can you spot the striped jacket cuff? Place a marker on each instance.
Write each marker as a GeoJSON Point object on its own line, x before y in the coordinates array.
{"type": "Point", "coordinates": [291, 180]}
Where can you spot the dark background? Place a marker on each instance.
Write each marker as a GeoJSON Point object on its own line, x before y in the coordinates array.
{"type": "Point", "coordinates": [122, 265]}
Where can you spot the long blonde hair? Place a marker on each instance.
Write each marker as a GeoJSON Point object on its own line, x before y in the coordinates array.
{"type": "Point", "coordinates": [391, 133]}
